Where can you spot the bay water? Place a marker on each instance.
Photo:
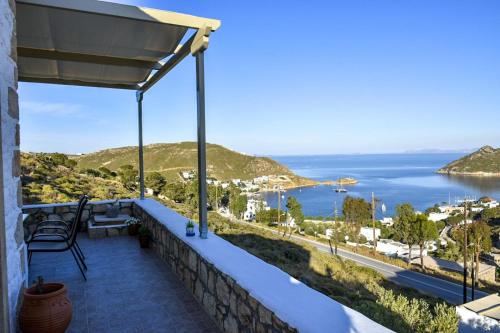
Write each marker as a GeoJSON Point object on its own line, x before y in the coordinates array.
{"type": "Point", "coordinates": [394, 178]}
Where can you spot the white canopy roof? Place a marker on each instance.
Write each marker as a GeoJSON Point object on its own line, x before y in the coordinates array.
{"type": "Point", "coordinates": [103, 44]}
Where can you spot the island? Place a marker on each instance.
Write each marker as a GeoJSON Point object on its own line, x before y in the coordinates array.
{"type": "Point", "coordinates": [484, 162]}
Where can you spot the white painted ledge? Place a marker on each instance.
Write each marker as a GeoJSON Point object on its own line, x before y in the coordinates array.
{"type": "Point", "coordinates": [293, 302]}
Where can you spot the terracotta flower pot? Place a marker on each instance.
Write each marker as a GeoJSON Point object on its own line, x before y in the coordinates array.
{"type": "Point", "coordinates": [133, 229]}
{"type": "Point", "coordinates": [144, 241]}
{"type": "Point", "coordinates": [49, 312]}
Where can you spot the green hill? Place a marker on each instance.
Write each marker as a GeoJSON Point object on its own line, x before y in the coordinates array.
{"type": "Point", "coordinates": [170, 159]}
{"type": "Point", "coordinates": [54, 178]}
{"type": "Point", "coordinates": [483, 162]}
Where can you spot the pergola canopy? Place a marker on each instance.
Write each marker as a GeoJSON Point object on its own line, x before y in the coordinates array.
{"type": "Point", "coordinates": [102, 44]}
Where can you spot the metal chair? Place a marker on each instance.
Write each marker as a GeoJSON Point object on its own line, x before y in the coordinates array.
{"type": "Point", "coordinates": [64, 240]}
{"type": "Point", "coordinates": [58, 226]}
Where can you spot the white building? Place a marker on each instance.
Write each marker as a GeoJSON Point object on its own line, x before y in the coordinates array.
{"type": "Point", "coordinates": [187, 175]}
{"type": "Point", "coordinates": [392, 248]}
{"type": "Point", "coordinates": [367, 232]}
{"type": "Point", "coordinates": [261, 179]}
{"type": "Point", "coordinates": [450, 209]}
{"type": "Point", "coordinates": [253, 206]}
{"type": "Point", "coordinates": [491, 204]}
{"type": "Point", "coordinates": [438, 216]}
{"type": "Point", "coordinates": [387, 221]}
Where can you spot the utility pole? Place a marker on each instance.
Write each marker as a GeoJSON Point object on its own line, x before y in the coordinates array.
{"type": "Point", "coordinates": [216, 199]}
{"type": "Point", "coordinates": [335, 227]}
{"type": "Point", "coordinates": [373, 224]}
{"type": "Point", "coordinates": [465, 251]}
{"type": "Point", "coordinates": [279, 204]}
{"type": "Point", "coordinates": [473, 273]}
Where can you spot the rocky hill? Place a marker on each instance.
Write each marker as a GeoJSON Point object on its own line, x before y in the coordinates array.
{"type": "Point", "coordinates": [170, 159]}
{"type": "Point", "coordinates": [483, 162]}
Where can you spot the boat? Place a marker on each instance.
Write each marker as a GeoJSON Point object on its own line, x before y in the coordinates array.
{"type": "Point", "coordinates": [339, 188]}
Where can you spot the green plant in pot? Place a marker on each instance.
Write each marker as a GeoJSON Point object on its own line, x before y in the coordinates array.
{"type": "Point", "coordinates": [45, 308]}
{"type": "Point", "coordinates": [190, 229]}
{"type": "Point", "coordinates": [144, 236]}
{"type": "Point", "coordinates": [133, 225]}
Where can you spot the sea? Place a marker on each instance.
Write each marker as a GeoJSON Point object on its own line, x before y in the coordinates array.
{"type": "Point", "coordinates": [393, 178]}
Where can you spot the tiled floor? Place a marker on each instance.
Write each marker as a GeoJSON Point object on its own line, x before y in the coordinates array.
{"type": "Point", "coordinates": [128, 289]}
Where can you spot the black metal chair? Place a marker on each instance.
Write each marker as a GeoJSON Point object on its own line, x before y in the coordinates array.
{"type": "Point", "coordinates": [60, 227]}
{"type": "Point", "coordinates": [64, 240]}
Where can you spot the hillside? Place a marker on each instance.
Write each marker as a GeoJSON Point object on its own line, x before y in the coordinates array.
{"type": "Point", "coordinates": [483, 162]}
{"type": "Point", "coordinates": [54, 178]}
{"type": "Point", "coordinates": [170, 159]}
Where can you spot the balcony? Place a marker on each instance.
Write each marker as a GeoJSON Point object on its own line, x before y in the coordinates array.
{"type": "Point", "coordinates": [128, 289]}
{"type": "Point", "coordinates": [188, 284]}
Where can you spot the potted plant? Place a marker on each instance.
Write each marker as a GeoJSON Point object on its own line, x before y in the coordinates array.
{"type": "Point", "coordinates": [113, 209]}
{"type": "Point", "coordinates": [144, 236]}
{"type": "Point", "coordinates": [133, 225]}
{"type": "Point", "coordinates": [45, 308]}
{"type": "Point", "coordinates": [190, 228]}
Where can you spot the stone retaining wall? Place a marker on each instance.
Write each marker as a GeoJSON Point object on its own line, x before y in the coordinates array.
{"type": "Point", "coordinates": [231, 306]}
{"type": "Point", "coordinates": [67, 211]}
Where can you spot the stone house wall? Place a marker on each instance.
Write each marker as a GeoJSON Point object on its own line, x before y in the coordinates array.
{"type": "Point", "coordinates": [232, 307]}
{"type": "Point", "coordinates": [13, 272]}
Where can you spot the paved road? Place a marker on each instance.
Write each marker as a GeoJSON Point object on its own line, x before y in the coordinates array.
{"type": "Point", "coordinates": [449, 291]}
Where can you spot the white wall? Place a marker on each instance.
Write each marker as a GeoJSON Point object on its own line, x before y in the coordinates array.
{"type": "Point", "coordinates": [471, 322]}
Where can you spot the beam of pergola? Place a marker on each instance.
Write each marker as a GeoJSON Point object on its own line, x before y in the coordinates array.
{"type": "Point", "coordinates": [30, 52]}
{"type": "Point", "coordinates": [178, 56]}
{"type": "Point", "coordinates": [79, 83]}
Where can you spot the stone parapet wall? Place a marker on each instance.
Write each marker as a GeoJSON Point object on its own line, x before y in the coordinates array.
{"type": "Point", "coordinates": [67, 211]}
{"type": "Point", "coordinates": [231, 306]}
{"type": "Point", "coordinates": [13, 267]}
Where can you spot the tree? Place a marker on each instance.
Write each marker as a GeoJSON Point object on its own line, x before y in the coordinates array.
{"type": "Point", "coordinates": [175, 192]}
{"type": "Point", "coordinates": [295, 210]}
{"type": "Point", "coordinates": [491, 215]}
{"type": "Point", "coordinates": [404, 225]}
{"type": "Point", "coordinates": [480, 236]}
{"type": "Point", "coordinates": [425, 231]}
{"type": "Point", "coordinates": [237, 202]}
{"type": "Point", "coordinates": [269, 216]}
{"type": "Point", "coordinates": [337, 235]}
{"type": "Point", "coordinates": [92, 172]}
{"type": "Point", "coordinates": [156, 182]}
{"type": "Point", "coordinates": [105, 172]}
{"type": "Point", "coordinates": [356, 212]}
{"type": "Point", "coordinates": [192, 197]}
{"type": "Point", "coordinates": [128, 176]}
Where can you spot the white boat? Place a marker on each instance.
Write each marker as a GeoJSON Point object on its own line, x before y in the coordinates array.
{"type": "Point", "coordinates": [340, 189]}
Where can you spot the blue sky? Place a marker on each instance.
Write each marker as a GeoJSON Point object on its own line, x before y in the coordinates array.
{"type": "Point", "coordinates": [303, 77]}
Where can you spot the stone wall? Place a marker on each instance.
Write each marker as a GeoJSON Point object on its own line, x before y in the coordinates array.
{"type": "Point", "coordinates": [67, 211]}
{"type": "Point", "coordinates": [13, 270]}
{"type": "Point", "coordinates": [232, 307]}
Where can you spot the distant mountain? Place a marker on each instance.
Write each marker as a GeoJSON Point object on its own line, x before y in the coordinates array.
{"type": "Point", "coordinates": [171, 159]}
{"type": "Point", "coordinates": [483, 162]}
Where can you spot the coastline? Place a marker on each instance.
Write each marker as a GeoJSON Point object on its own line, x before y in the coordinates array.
{"type": "Point", "coordinates": [305, 182]}
{"type": "Point", "coordinates": [471, 174]}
